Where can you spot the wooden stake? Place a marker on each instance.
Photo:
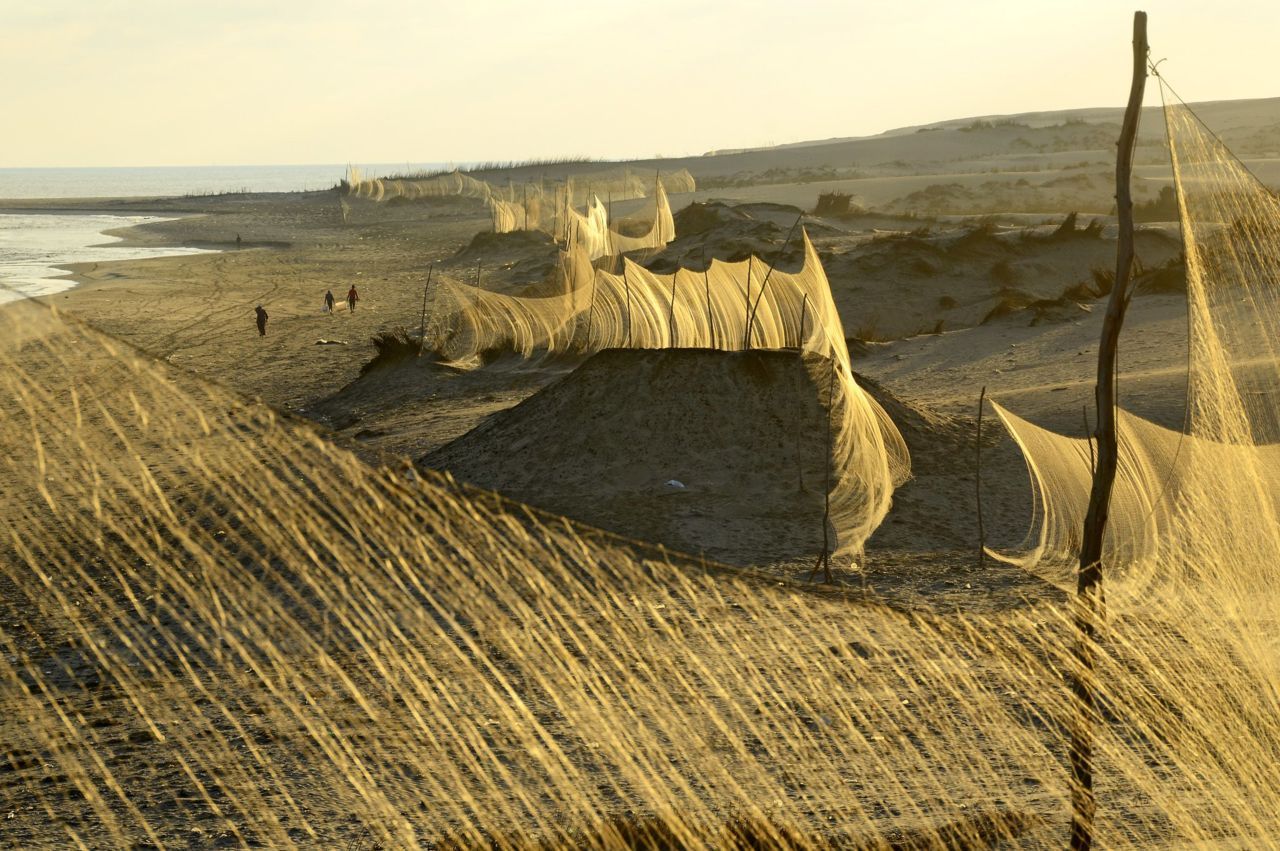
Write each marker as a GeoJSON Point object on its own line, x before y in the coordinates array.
{"type": "Point", "coordinates": [982, 532]}
{"type": "Point", "coordinates": [804, 310]}
{"type": "Point", "coordinates": [627, 286]}
{"type": "Point", "coordinates": [1089, 598]}
{"type": "Point", "coordinates": [591, 310]}
{"type": "Point", "coordinates": [711, 325]}
{"type": "Point", "coordinates": [422, 328]}
{"type": "Point", "coordinates": [671, 312]}
{"type": "Point", "coordinates": [824, 557]}
{"type": "Point", "coordinates": [752, 319]}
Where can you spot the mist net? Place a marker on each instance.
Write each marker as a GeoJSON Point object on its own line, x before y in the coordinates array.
{"type": "Point", "coordinates": [217, 628]}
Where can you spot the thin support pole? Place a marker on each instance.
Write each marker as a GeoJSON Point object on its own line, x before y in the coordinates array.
{"type": "Point", "coordinates": [804, 311]}
{"type": "Point", "coordinates": [627, 286]}
{"type": "Point", "coordinates": [711, 322]}
{"type": "Point", "coordinates": [1089, 596]}
{"type": "Point", "coordinates": [746, 311]}
{"type": "Point", "coordinates": [751, 320]}
{"type": "Point", "coordinates": [671, 312]}
{"type": "Point", "coordinates": [422, 326]}
{"type": "Point", "coordinates": [824, 557]}
{"type": "Point", "coordinates": [982, 531]}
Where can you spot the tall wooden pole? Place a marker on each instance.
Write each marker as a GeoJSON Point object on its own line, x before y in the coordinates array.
{"type": "Point", "coordinates": [711, 322]}
{"type": "Point", "coordinates": [422, 328]}
{"type": "Point", "coordinates": [1089, 597]}
{"type": "Point", "coordinates": [671, 312]}
{"type": "Point", "coordinates": [977, 479]}
{"type": "Point", "coordinates": [627, 286]}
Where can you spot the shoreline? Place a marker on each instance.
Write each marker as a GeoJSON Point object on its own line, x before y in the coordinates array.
{"type": "Point", "coordinates": [47, 261]}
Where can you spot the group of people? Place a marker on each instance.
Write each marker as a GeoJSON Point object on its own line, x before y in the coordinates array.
{"type": "Point", "coordinates": [352, 298]}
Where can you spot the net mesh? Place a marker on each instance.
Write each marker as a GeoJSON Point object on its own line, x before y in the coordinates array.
{"type": "Point", "coordinates": [1185, 501]}
{"type": "Point", "coordinates": [727, 306]}
{"type": "Point", "coordinates": [533, 206]}
{"type": "Point", "coordinates": [218, 628]}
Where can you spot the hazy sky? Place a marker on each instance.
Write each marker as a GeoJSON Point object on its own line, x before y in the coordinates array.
{"type": "Point", "coordinates": [162, 82]}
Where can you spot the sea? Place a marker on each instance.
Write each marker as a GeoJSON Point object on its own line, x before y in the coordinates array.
{"type": "Point", "coordinates": [152, 181]}
{"type": "Point", "coordinates": [33, 246]}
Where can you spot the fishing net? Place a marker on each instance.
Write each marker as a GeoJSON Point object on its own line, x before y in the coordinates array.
{"type": "Point", "coordinates": [728, 306]}
{"type": "Point", "coordinates": [594, 234]}
{"type": "Point", "coordinates": [520, 206]}
{"type": "Point", "coordinates": [1188, 502]}
{"type": "Point", "coordinates": [217, 628]}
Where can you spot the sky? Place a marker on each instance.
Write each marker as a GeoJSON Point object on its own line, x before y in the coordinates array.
{"type": "Point", "coordinates": [224, 82]}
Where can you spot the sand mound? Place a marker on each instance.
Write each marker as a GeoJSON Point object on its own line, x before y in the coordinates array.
{"type": "Point", "coordinates": [507, 262]}
{"type": "Point", "coordinates": [733, 233]}
{"type": "Point", "coordinates": [926, 431]}
{"type": "Point", "coordinates": [741, 432]}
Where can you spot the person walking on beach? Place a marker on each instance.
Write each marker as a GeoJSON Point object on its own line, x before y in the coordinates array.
{"type": "Point", "coordinates": [352, 298]}
{"type": "Point", "coordinates": [328, 302]}
{"type": "Point", "coordinates": [262, 320]}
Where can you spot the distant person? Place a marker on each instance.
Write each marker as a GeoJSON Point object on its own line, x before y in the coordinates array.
{"type": "Point", "coordinates": [352, 298]}
{"type": "Point", "coordinates": [262, 320]}
{"type": "Point", "coordinates": [237, 241]}
{"type": "Point", "coordinates": [328, 302]}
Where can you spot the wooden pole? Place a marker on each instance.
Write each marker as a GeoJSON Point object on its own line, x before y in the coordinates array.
{"type": "Point", "coordinates": [626, 284]}
{"type": "Point", "coordinates": [752, 319]}
{"type": "Point", "coordinates": [422, 327]}
{"type": "Point", "coordinates": [671, 312]}
{"type": "Point", "coordinates": [804, 312]}
{"type": "Point", "coordinates": [591, 311]}
{"type": "Point", "coordinates": [1089, 596]}
{"type": "Point", "coordinates": [824, 557]}
{"type": "Point", "coordinates": [746, 310]}
{"type": "Point", "coordinates": [711, 323]}
{"type": "Point", "coordinates": [982, 532]}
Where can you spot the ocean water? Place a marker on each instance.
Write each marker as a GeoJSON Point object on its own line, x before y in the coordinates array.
{"type": "Point", "coordinates": [32, 246]}
{"type": "Point", "coordinates": [152, 181]}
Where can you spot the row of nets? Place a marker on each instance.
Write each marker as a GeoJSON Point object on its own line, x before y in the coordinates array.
{"type": "Point", "coordinates": [216, 628]}
{"type": "Point", "coordinates": [531, 205]}
{"type": "Point", "coordinates": [727, 306]}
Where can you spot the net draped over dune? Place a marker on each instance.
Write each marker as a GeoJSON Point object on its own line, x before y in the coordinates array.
{"type": "Point", "coordinates": [728, 306]}
{"type": "Point", "coordinates": [217, 627]}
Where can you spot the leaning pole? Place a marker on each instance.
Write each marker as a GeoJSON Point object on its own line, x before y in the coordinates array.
{"type": "Point", "coordinates": [1089, 597]}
